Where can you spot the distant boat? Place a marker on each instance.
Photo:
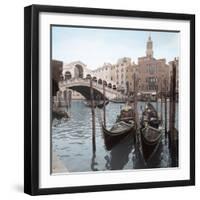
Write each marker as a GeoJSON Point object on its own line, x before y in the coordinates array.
{"type": "Point", "coordinates": [150, 132]}
{"type": "Point", "coordinates": [121, 100]}
{"type": "Point", "coordinates": [59, 114]}
{"type": "Point", "coordinates": [125, 125]}
{"type": "Point", "coordinates": [118, 100]}
{"type": "Point", "coordinates": [99, 104]}
{"type": "Point", "coordinates": [147, 96]}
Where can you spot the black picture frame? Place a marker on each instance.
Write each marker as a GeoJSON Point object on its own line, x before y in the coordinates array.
{"type": "Point", "coordinates": [31, 98]}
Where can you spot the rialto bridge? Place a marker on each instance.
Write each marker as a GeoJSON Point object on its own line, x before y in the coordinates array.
{"type": "Point", "coordinates": [76, 76]}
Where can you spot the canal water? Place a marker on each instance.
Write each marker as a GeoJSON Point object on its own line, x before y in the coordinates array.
{"type": "Point", "coordinates": [72, 142]}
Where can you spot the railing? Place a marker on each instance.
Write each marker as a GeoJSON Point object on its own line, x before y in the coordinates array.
{"type": "Point", "coordinates": [87, 82]}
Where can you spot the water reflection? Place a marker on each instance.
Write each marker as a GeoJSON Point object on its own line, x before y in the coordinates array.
{"type": "Point", "coordinates": [119, 155]}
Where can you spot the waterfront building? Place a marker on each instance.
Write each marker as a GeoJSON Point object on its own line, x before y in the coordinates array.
{"type": "Point", "coordinates": [57, 68]}
{"type": "Point", "coordinates": [153, 73]}
{"type": "Point", "coordinates": [176, 62]}
{"type": "Point", "coordinates": [119, 74]}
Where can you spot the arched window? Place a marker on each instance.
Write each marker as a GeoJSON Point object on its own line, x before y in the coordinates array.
{"type": "Point", "coordinates": [105, 83]}
{"type": "Point", "coordinates": [88, 76]}
{"type": "Point", "coordinates": [110, 85]}
{"type": "Point", "coordinates": [78, 71]}
{"type": "Point", "coordinates": [100, 81]}
{"type": "Point", "coordinates": [68, 75]}
{"type": "Point", "coordinates": [94, 79]}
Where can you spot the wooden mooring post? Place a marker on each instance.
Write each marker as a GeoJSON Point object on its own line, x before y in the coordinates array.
{"type": "Point", "coordinates": [136, 116]}
{"type": "Point", "coordinates": [157, 97]}
{"type": "Point", "coordinates": [165, 112]}
{"type": "Point", "coordinates": [161, 103]}
{"type": "Point", "coordinates": [173, 133]}
{"type": "Point", "coordinates": [93, 117]}
{"type": "Point", "coordinates": [135, 92]}
{"type": "Point", "coordinates": [104, 105]}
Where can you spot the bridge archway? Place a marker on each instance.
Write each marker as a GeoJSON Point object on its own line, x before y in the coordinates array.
{"type": "Point", "coordinates": [85, 91]}
{"type": "Point", "coordinates": [88, 76]}
{"type": "Point", "coordinates": [110, 85]}
{"type": "Point", "coordinates": [105, 83]}
{"type": "Point", "coordinates": [78, 71]}
{"type": "Point", "coordinates": [68, 75]}
{"type": "Point", "coordinates": [94, 79]}
{"type": "Point", "coordinates": [100, 81]}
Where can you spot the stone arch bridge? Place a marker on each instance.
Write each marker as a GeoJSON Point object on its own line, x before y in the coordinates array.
{"type": "Point", "coordinates": [83, 87]}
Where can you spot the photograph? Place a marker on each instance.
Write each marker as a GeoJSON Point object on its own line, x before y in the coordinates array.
{"type": "Point", "coordinates": [114, 99]}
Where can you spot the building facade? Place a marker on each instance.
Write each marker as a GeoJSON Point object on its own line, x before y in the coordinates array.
{"type": "Point", "coordinates": [57, 69]}
{"type": "Point", "coordinates": [153, 73]}
{"type": "Point", "coordinates": [176, 62]}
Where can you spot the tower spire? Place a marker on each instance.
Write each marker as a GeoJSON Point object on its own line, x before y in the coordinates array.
{"type": "Point", "coordinates": [149, 47]}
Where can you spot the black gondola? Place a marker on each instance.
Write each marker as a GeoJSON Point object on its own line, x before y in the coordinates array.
{"type": "Point", "coordinates": [150, 132]}
{"type": "Point", "coordinates": [118, 131]}
{"type": "Point", "coordinates": [101, 105]}
{"type": "Point", "coordinates": [150, 138]}
{"type": "Point", "coordinates": [118, 100]}
{"type": "Point", "coordinates": [125, 125]}
{"type": "Point", "coordinates": [150, 117]}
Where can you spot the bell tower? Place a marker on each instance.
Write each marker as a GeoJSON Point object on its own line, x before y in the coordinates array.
{"type": "Point", "coordinates": [149, 48]}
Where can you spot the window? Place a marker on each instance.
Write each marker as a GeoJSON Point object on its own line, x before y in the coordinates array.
{"type": "Point", "coordinates": [152, 69]}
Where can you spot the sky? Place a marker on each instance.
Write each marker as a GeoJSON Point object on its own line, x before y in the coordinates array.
{"type": "Point", "coordinates": [94, 47]}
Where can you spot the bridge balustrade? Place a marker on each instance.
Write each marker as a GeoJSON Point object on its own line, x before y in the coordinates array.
{"type": "Point", "coordinates": [78, 80]}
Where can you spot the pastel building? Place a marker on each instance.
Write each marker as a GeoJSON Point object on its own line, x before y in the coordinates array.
{"type": "Point", "coordinates": [153, 73]}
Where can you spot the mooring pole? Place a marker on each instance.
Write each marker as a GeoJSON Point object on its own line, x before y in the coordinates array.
{"type": "Point", "coordinates": [174, 97]}
{"type": "Point", "coordinates": [165, 109]}
{"type": "Point", "coordinates": [173, 132]}
{"type": "Point", "coordinates": [104, 106]}
{"type": "Point", "coordinates": [172, 102]}
{"type": "Point", "coordinates": [136, 117]}
{"type": "Point", "coordinates": [161, 103]}
{"type": "Point", "coordinates": [135, 93]}
{"type": "Point", "coordinates": [70, 98]}
{"type": "Point", "coordinates": [93, 117]}
{"type": "Point", "coordinates": [157, 99]}
{"type": "Point", "coordinates": [170, 109]}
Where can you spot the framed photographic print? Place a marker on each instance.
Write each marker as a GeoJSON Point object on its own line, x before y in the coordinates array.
{"type": "Point", "coordinates": [109, 99]}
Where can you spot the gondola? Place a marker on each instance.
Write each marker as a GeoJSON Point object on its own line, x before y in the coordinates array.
{"type": "Point", "coordinates": [118, 100]}
{"type": "Point", "coordinates": [125, 125]}
{"type": "Point", "coordinates": [150, 117]}
{"type": "Point", "coordinates": [101, 104]}
{"type": "Point", "coordinates": [96, 103]}
{"type": "Point", "coordinates": [150, 138]}
{"type": "Point", "coordinates": [118, 131]}
{"type": "Point", "coordinates": [150, 132]}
